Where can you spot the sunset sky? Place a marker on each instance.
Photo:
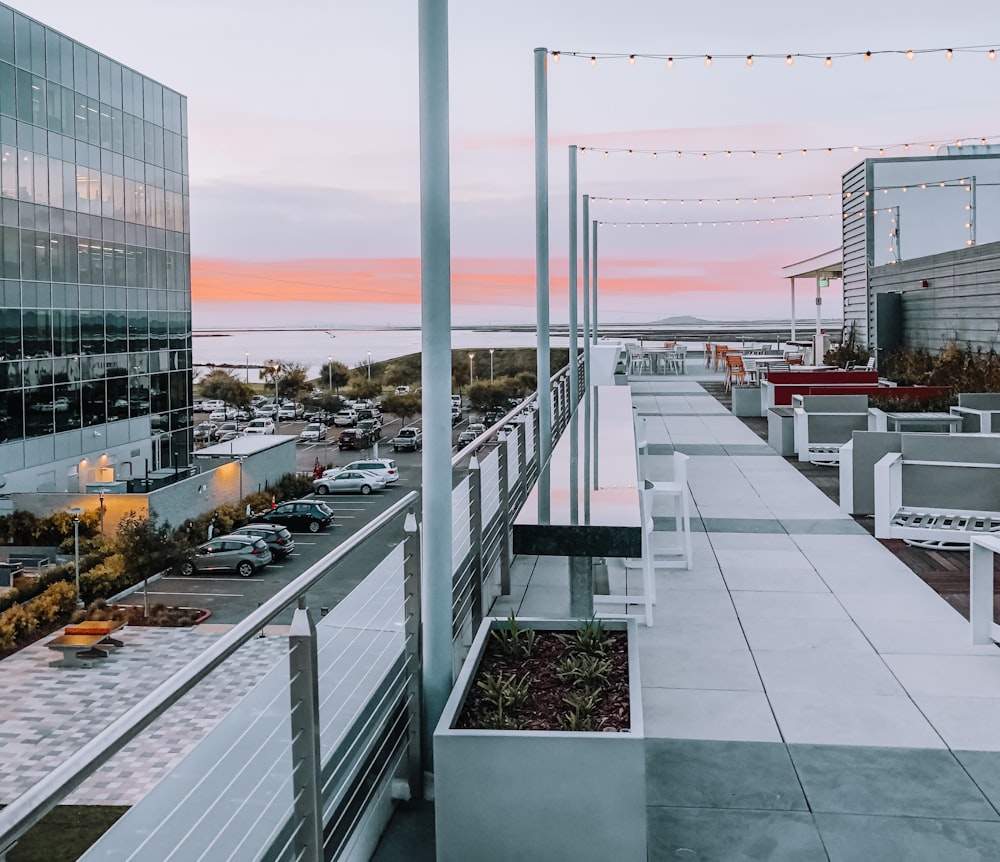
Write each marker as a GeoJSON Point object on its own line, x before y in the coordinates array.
{"type": "Point", "coordinates": [304, 133]}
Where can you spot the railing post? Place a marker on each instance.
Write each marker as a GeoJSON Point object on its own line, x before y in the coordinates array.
{"type": "Point", "coordinates": [505, 515]}
{"type": "Point", "coordinates": [522, 461]}
{"type": "Point", "coordinates": [411, 649]}
{"type": "Point", "coordinates": [476, 535]}
{"type": "Point", "coordinates": [307, 804]}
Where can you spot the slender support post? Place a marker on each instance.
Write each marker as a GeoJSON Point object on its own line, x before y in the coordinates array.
{"type": "Point", "coordinates": [435, 274]}
{"type": "Point", "coordinates": [593, 278]}
{"type": "Point", "coordinates": [542, 253]}
{"type": "Point", "coordinates": [792, 280]}
{"type": "Point", "coordinates": [304, 695]}
{"type": "Point", "coordinates": [522, 462]}
{"type": "Point", "coordinates": [586, 292]}
{"type": "Point", "coordinates": [574, 294]}
{"type": "Point", "coordinates": [476, 534]}
{"type": "Point", "coordinates": [506, 506]}
{"type": "Point", "coordinates": [412, 639]}
{"type": "Point", "coordinates": [819, 312]}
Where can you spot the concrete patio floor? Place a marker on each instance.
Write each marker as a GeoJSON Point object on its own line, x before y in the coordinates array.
{"type": "Point", "coordinates": [806, 696]}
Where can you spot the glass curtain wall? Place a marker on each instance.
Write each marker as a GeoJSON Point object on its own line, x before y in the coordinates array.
{"type": "Point", "coordinates": [95, 294]}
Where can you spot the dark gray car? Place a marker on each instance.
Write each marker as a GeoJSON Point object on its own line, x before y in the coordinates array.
{"type": "Point", "coordinates": [241, 554]}
{"type": "Point", "coordinates": [279, 538]}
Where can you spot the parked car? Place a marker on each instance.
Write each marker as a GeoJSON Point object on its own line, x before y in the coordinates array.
{"type": "Point", "coordinates": [402, 390]}
{"type": "Point", "coordinates": [410, 437]}
{"type": "Point", "coordinates": [313, 432]}
{"type": "Point", "coordinates": [352, 438]}
{"type": "Point", "coordinates": [466, 437]}
{"type": "Point", "coordinates": [225, 428]}
{"type": "Point", "coordinates": [279, 538]}
{"type": "Point", "coordinates": [223, 414]}
{"type": "Point", "coordinates": [456, 400]}
{"type": "Point", "coordinates": [456, 415]}
{"type": "Point", "coordinates": [289, 411]}
{"type": "Point", "coordinates": [311, 515]}
{"type": "Point", "coordinates": [241, 554]}
{"type": "Point", "coordinates": [345, 417]}
{"type": "Point", "coordinates": [204, 432]}
{"type": "Point", "coordinates": [382, 466]}
{"type": "Point", "coordinates": [211, 404]}
{"type": "Point", "coordinates": [477, 427]}
{"type": "Point", "coordinates": [265, 411]}
{"type": "Point", "coordinates": [371, 428]}
{"type": "Point", "coordinates": [229, 435]}
{"type": "Point", "coordinates": [259, 426]}
{"type": "Point", "coordinates": [348, 482]}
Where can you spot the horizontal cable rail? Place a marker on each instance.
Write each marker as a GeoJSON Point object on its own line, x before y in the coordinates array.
{"type": "Point", "coordinates": [38, 800]}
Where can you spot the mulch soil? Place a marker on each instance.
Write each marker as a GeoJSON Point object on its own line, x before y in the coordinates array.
{"type": "Point", "coordinates": [545, 702]}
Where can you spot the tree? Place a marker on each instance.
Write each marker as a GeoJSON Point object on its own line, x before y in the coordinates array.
{"type": "Point", "coordinates": [291, 378]}
{"type": "Point", "coordinates": [147, 547]}
{"type": "Point", "coordinates": [227, 388]}
{"type": "Point", "coordinates": [396, 374]}
{"type": "Point", "coordinates": [362, 387]}
{"type": "Point", "coordinates": [334, 374]}
{"type": "Point", "coordinates": [402, 406]}
{"type": "Point", "coordinates": [484, 395]}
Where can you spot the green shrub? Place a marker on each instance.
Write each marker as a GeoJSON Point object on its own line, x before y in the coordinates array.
{"type": "Point", "coordinates": [963, 368]}
{"type": "Point", "coordinates": [56, 603]}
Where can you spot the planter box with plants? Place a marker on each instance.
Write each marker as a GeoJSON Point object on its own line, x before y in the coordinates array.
{"type": "Point", "coordinates": [540, 753]}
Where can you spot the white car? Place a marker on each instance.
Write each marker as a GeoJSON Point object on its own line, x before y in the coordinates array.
{"type": "Point", "coordinates": [348, 482]}
{"type": "Point", "coordinates": [286, 411]}
{"type": "Point", "coordinates": [259, 426]}
{"type": "Point", "coordinates": [385, 467]}
{"type": "Point", "coordinates": [213, 404]}
{"type": "Point", "coordinates": [313, 432]}
{"type": "Point", "coordinates": [223, 414]}
{"type": "Point", "coordinates": [402, 390]}
{"type": "Point", "coordinates": [345, 417]}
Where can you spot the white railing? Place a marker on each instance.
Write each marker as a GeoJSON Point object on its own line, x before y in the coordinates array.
{"type": "Point", "coordinates": [304, 768]}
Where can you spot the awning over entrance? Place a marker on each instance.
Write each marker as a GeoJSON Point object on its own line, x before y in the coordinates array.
{"type": "Point", "coordinates": [821, 267]}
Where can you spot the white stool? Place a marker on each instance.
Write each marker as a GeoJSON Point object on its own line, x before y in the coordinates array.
{"type": "Point", "coordinates": [677, 556]}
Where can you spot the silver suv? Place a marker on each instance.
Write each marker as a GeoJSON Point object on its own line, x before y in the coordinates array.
{"type": "Point", "coordinates": [241, 554]}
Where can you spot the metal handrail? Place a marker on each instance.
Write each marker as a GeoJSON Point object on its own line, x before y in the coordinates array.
{"type": "Point", "coordinates": [18, 817]}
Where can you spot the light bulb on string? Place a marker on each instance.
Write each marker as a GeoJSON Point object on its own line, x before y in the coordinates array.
{"type": "Point", "coordinates": [555, 56]}
{"type": "Point", "coordinates": [708, 59]}
{"type": "Point", "coordinates": [949, 54]}
{"type": "Point", "coordinates": [868, 56]}
{"type": "Point", "coordinates": [670, 62]}
{"type": "Point", "coordinates": [788, 60]}
{"type": "Point", "coordinates": [805, 153]}
{"type": "Point", "coordinates": [828, 62]}
{"type": "Point", "coordinates": [729, 154]}
{"type": "Point", "coordinates": [654, 154]}
{"type": "Point", "coordinates": [749, 59]}
{"type": "Point", "coordinates": [631, 59]}
{"type": "Point", "coordinates": [593, 62]}
{"type": "Point", "coordinates": [910, 55]}
{"type": "Point", "coordinates": [992, 54]}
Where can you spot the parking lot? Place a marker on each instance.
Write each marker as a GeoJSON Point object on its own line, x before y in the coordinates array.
{"type": "Point", "coordinates": [230, 598]}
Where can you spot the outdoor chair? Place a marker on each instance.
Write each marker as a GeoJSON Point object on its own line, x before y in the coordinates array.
{"type": "Point", "coordinates": [750, 369]}
{"type": "Point", "coordinates": [678, 361]}
{"type": "Point", "coordinates": [708, 354]}
{"type": "Point", "coordinates": [734, 370]}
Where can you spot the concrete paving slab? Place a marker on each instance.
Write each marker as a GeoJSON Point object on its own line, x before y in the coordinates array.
{"type": "Point", "coordinates": [676, 713]}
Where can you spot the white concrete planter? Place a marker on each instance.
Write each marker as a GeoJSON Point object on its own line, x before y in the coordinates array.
{"type": "Point", "coordinates": [540, 795]}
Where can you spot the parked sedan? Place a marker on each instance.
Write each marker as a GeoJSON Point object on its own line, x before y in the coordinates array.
{"type": "Point", "coordinates": [352, 438]}
{"type": "Point", "coordinates": [311, 515]}
{"type": "Point", "coordinates": [313, 432]}
{"type": "Point", "coordinates": [348, 482]}
{"type": "Point", "coordinates": [223, 414]}
{"type": "Point", "coordinates": [204, 432]}
{"type": "Point", "coordinates": [241, 554]}
{"type": "Point", "coordinates": [384, 467]}
{"type": "Point", "coordinates": [279, 538]}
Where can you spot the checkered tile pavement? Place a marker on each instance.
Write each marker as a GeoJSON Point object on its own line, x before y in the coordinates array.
{"type": "Point", "coordinates": [48, 713]}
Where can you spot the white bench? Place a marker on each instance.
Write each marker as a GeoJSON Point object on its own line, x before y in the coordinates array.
{"type": "Point", "coordinates": [824, 423]}
{"type": "Point", "coordinates": [981, 552]}
{"type": "Point", "coordinates": [938, 504]}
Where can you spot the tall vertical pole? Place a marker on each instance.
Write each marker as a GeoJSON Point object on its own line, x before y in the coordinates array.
{"type": "Point", "coordinates": [542, 253]}
{"type": "Point", "coordinates": [792, 280]}
{"type": "Point", "coordinates": [586, 293]}
{"type": "Point", "coordinates": [574, 294]}
{"type": "Point", "coordinates": [593, 277]}
{"type": "Point", "coordinates": [435, 312]}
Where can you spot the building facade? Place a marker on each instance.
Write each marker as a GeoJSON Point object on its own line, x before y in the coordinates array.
{"type": "Point", "coordinates": [95, 295]}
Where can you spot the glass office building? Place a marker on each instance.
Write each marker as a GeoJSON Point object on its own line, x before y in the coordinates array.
{"type": "Point", "coordinates": [95, 297]}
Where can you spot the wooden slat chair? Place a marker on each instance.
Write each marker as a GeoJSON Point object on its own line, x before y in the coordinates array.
{"type": "Point", "coordinates": [720, 355]}
{"type": "Point", "coordinates": [734, 370]}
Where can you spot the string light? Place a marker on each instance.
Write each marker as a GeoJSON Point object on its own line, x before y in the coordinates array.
{"type": "Point", "coordinates": [750, 58]}
{"type": "Point", "coordinates": [716, 222]}
{"type": "Point", "coordinates": [880, 149]}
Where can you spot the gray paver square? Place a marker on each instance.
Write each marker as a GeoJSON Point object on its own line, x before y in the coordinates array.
{"type": "Point", "coordinates": [714, 835]}
{"type": "Point", "coordinates": [851, 837]}
{"type": "Point", "coordinates": [708, 774]}
{"type": "Point", "coordinates": [984, 767]}
{"type": "Point", "coordinates": [909, 782]}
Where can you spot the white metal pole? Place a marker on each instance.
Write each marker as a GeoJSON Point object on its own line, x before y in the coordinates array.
{"type": "Point", "coordinates": [574, 294]}
{"type": "Point", "coordinates": [435, 312]}
{"type": "Point", "coordinates": [819, 309]}
{"type": "Point", "coordinates": [593, 278]}
{"type": "Point", "coordinates": [76, 558]}
{"type": "Point", "coordinates": [542, 254]}
{"type": "Point", "coordinates": [586, 292]}
{"type": "Point", "coordinates": [792, 280]}
{"type": "Point", "coordinates": [491, 364]}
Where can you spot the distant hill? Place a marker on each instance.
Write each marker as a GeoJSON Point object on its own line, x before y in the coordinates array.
{"type": "Point", "coordinates": [681, 320]}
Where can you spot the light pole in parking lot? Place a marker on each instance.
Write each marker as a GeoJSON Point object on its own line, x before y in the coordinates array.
{"type": "Point", "coordinates": [329, 370]}
{"type": "Point", "coordinates": [491, 364]}
{"type": "Point", "coordinates": [369, 366]}
{"type": "Point", "coordinates": [470, 367]}
{"type": "Point", "coordinates": [277, 418]}
{"type": "Point", "coordinates": [76, 552]}
{"type": "Point", "coordinates": [248, 369]}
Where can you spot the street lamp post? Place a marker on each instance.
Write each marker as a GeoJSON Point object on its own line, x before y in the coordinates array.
{"type": "Point", "coordinates": [369, 366]}
{"type": "Point", "coordinates": [277, 407]}
{"type": "Point", "coordinates": [491, 364]}
{"type": "Point", "coordinates": [248, 369]}
{"type": "Point", "coordinates": [329, 371]}
{"type": "Point", "coordinates": [76, 553]}
{"type": "Point", "coordinates": [470, 367]}
{"type": "Point", "coordinates": [101, 512]}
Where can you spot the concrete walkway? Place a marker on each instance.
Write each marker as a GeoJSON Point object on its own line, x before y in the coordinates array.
{"type": "Point", "coordinates": [806, 696]}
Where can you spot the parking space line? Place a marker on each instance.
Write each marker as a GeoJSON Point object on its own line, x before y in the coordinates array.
{"type": "Point", "coordinates": [199, 595]}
